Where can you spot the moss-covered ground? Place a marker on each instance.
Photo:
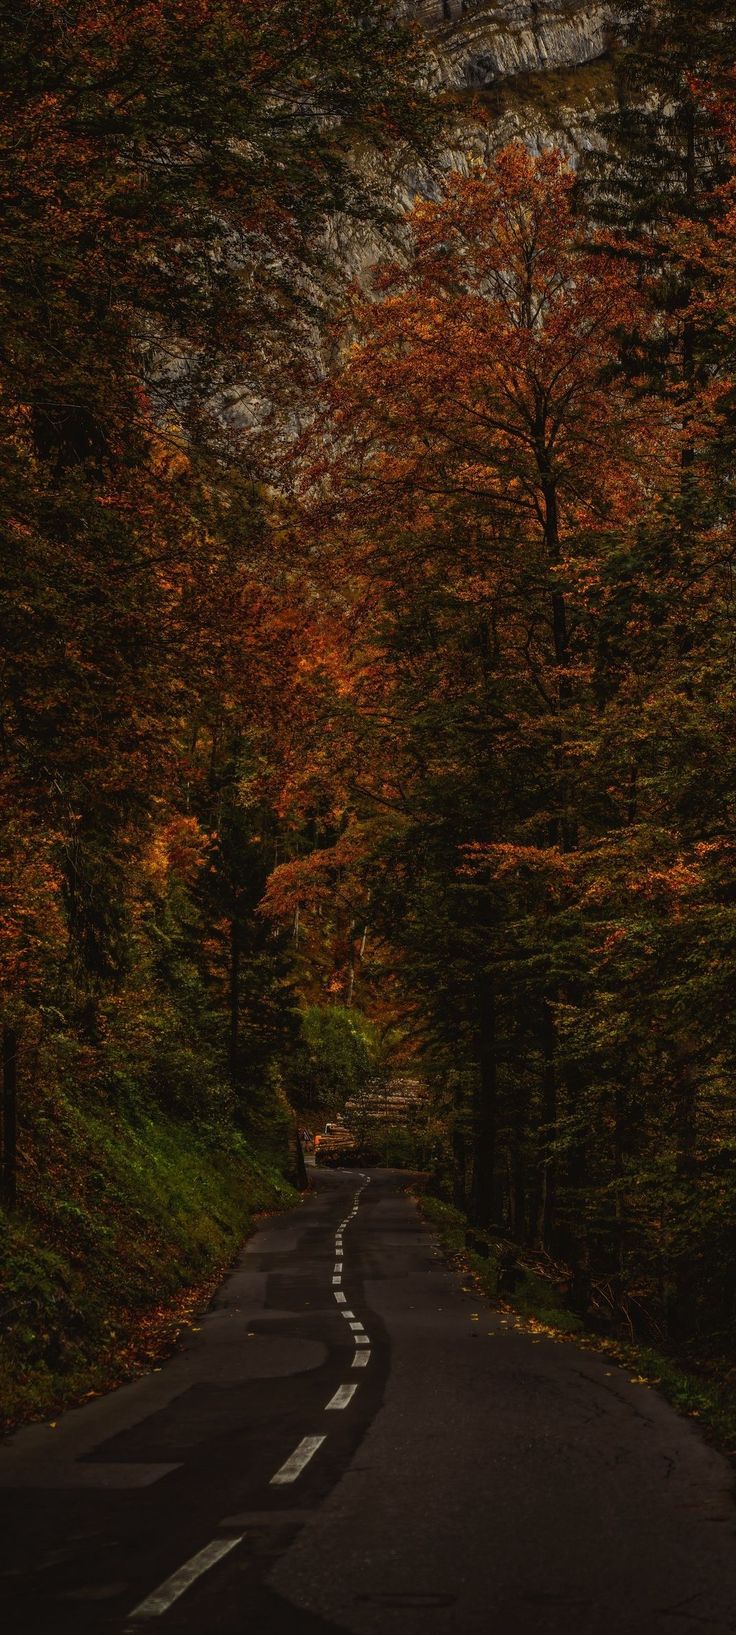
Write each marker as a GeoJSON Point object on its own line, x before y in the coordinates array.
{"type": "Point", "coordinates": [701, 1392]}
{"type": "Point", "coordinates": [122, 1231]}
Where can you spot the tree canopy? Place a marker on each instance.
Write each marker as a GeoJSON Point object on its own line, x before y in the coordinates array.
{"type": "Point", "coordinates": [400, 728]}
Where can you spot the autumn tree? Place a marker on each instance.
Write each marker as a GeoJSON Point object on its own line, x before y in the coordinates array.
{"type": "Point", "coordinates": [533, 548]}
{"type": "Point", "coordinates": [167, 176]}
{"type": "Point", "coordinates": [485, 467]}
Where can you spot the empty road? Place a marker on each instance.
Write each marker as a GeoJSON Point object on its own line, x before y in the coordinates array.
{"type": "Point", "coordinates": [351, 1442]}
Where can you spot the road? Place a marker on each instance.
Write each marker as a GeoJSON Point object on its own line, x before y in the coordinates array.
{"type": "Point", "coordinates": [420, 1466]}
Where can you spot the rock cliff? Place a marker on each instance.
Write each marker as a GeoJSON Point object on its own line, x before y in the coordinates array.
{"type": "Point", "coordinates": [479, 42]}
{"type": "Point", "coordinates": [519, 36]}
{"type": "Point", "coordinates": [542, 71]}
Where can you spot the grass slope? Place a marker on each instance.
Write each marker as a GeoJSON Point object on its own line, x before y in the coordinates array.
{"type": "Point", "coordinates": [122, 1231]}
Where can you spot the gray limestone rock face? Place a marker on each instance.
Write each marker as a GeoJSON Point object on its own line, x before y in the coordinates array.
{"type": "Point", "coordinates": [488, 43]}
{"type": "Point", "coordinates": [476, 43]}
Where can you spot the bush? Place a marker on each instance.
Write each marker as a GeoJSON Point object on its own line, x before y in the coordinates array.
{"type": "Point", "coordinates": [335, 1056]}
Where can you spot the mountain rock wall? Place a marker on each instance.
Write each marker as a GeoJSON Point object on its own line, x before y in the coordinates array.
{"type": "Point", "coordinates": [479, 42]}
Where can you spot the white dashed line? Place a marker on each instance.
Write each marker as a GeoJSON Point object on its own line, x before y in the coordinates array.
{"type": "Point", "coordinates": [296, 1462]}
{"type": "Point", "coordinates": [361, 1357]}
{"type": "Point", "coordinates": [343, 1395]}
{"type": "Point", "coordinates": [173, 1587]}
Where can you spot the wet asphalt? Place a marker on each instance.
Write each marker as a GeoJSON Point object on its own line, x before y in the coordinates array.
{"type": "Point", "coordinates": [477, 1478]}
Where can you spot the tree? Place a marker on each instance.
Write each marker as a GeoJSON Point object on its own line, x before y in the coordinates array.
{"type": "Point", "coordinates": [167, 177]}
{"type": "Point", "coordinates": [485, 465]}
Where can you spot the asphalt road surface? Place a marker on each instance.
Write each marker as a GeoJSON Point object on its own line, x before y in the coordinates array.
{"type": "Point", "coordinates": [351, 1442]}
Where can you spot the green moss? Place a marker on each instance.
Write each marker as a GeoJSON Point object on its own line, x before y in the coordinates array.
{"type": "Point", "coordinates": [124, 1216]}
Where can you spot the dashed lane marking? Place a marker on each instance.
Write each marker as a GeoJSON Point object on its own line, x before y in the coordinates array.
{"type": "Point", "coordinates": [347, 1314]}
{"type": "Point", "coordinates": [294, 1465]}
{"type": "Point", "coordinates": [161, 1599]}
{"type": "Point", "coordinates": [343, 1395]}
{"type": "Point", "coordinates": [168, 1592]}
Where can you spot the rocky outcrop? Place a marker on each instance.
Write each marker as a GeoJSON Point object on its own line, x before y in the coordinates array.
{"type": "Point", "coordinates": [481, 51]}
{"type": "Point", "coordinates": [541, 69]}
{"type": "Point", "coordinates": [493, 42]}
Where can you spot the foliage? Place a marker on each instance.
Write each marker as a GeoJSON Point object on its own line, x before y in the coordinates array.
{"type": "Point", "coordinates": [701, 1389]}
{"type": "Point", "coordinates": [120, 1213]}
{"type": "Point", "coordinates": [334, 1058]}
{"type": "Point", "coordinates": [532, 536]}
{"type": "Point", "coordinates": [169, 177]}
{"type": "Point", "coordinates": [430, 721]}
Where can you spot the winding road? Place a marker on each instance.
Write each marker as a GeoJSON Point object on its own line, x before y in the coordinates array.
{"type": "Point", "coordinates": [351, 1442]}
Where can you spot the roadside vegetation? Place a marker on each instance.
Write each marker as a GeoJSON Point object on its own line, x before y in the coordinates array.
{"type": "Point", "coordinates": [128, 1224]}
{"type": "Point", "coordinates": [701, 1387]}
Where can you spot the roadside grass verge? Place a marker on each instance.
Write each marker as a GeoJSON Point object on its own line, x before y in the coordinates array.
{"type": "Point", "coordinates": [122, 1233]}
{"type": "Point", "coordinates": [696, 1389]}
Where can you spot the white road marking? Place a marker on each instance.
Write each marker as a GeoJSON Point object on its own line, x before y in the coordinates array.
{"type": "Point", "coordinates": [340, 1298]}
{"type": "Point", "coordinates": [357, 1328]}
{"type": "Point", "coordinates": [338, 1265]}
{"type": "Point", "coordinates": [297, 1460]}
{"type": "Point", "coordinates": [336, 1281]}
{"type": "Point", "coordinates": [361, 1339]}
{"type": "Point", "coordinates": [347, 1314]}
{"type": "Point", "coordinates": [168, 1592]}
{"type": "Point", "coordinates": [343, 1395]}
{"type": "Point", "coordinates": [361, 1359]}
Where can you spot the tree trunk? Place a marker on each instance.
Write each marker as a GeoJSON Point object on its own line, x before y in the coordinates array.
{"type": "Point", "coordinates": [620, 1132]}
{"type": "Point", "coordinates": [10, 1115]}
{"type": "Point", "coordinates": [575, 1246]}
{"type": "Point", "coordinates": [459, 1161]}
{"type": "Point", "coordinates": [549, 1124]}
{"type": "Point", "coordinates": [483, 1194]}
{"type": "Point", "coordinates": [683, 1314]}
{"type": "Point", "coordinates": [518, 1193]}
{"type": "Point", "coordinates": [233, 1052]}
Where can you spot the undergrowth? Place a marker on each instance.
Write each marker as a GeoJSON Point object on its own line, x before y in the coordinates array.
{"type": "Point", "coordinates": [122, 1230]}
{"type": "Point", "coordinates": [692, 1390]}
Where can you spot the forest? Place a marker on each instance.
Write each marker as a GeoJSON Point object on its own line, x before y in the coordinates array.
{"type": "Point", "coordinates": [367, 653]}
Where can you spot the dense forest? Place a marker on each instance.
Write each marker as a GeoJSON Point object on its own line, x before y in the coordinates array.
{"type": "Point", "coordinates": [367, 655]}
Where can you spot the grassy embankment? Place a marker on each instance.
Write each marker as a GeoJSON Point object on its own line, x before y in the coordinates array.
{"type": "Point", "coordinates": [124, 1227]}
{"type": "Point", "coordinates": [704, 1394]}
